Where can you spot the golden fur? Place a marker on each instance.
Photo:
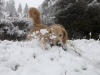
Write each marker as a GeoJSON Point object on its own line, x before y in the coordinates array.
{"type": "Point", "coordinates": [56, 35]}
{"type": "Point", "coordinates": [59, 35]}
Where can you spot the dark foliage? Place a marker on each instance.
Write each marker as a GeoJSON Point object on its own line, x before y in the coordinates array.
{"type": "Point", "coordinates": [98, 0]}
{"type": "Point", "coordinates": [79, 20]}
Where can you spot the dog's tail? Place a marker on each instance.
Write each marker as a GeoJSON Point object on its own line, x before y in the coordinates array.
{"type": "Point", "coordinates": [34, 14]}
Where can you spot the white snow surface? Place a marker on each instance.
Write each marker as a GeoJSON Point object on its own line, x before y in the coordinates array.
{"type": "Point", "coordinates": [27, 58]}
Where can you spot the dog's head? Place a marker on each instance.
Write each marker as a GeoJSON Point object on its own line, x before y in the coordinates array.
{"type": "Point", "coordinates": [57, 35]}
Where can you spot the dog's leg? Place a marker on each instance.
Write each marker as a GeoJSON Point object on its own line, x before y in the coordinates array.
{"type": "Point", "coordinates": [43, 44]}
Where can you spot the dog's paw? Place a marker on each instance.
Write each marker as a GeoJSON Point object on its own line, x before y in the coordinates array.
{"type": "Point", "coordinates": [64, 47]}
{"type": "Point", "coordinates": [44, 47]}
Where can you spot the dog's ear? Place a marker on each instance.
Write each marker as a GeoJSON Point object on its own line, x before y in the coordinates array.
{"type": "Point", "coordinates": [65, 36]}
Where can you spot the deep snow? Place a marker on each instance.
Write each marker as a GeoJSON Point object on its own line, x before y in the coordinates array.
{"type": "Point", "coordinates": [27, 58]}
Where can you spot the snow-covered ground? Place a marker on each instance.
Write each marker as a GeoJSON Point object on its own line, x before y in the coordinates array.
{"type": "Point", "coordinates": [27, 58]}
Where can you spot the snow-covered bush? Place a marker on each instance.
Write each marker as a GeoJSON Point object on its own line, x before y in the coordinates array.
{"type": "Point", "coordinates": [16, 30]}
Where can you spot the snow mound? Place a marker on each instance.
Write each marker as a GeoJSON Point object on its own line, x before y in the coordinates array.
{"type": "Point", "coordinates": [27, 58]}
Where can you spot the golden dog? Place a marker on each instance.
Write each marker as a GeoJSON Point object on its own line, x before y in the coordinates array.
{"type": "Point", "coordinates": [55, 35]}
{"type": "Point", "coordinates": [35, 32]}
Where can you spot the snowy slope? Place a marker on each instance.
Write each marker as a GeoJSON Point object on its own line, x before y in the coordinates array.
{"type": "Point", "coordinates": [27, 58]}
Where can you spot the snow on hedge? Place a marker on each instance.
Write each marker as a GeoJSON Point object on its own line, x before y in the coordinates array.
{"type": "Point", "coordinates": [18, 28]}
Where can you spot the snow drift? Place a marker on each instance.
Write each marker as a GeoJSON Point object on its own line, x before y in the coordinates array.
{"type": "Point", "coordinates": [27, 58]}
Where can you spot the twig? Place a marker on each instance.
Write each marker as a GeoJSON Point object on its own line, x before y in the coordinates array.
{"type": "Point", "coordinates": [74, 48]}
